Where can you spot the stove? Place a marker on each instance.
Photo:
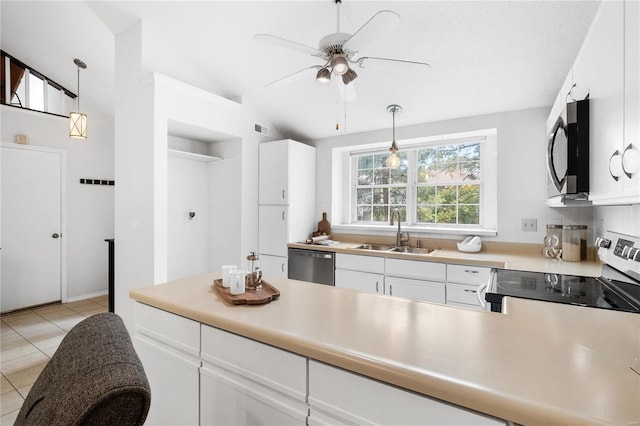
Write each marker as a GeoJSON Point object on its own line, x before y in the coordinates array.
{"type": "Point", "coordinates": [618, 287]}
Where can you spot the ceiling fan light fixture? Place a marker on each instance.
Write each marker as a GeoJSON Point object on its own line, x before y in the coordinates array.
{"type": "Point", "coordinates": [349, 76]}
{"type": "Point", "coordinates": [323, 75]}
{"type": "Point", "coordinates": [339, 64]}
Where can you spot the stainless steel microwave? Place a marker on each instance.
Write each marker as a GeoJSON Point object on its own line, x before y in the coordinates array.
{"type": "Point", "coordinates": [568, 154]}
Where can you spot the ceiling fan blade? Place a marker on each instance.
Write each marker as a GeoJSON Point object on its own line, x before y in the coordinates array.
{"type": "Point", "coordinates": [293, 76]}
{"type": "Point", "coordinates": [287, 44]}
{"type": "Point", "coordinates": [346, 92]}
{"type": "Point", "coordinates": [385, 20]}
{"type": "Point", "coordinates": [388, 64]}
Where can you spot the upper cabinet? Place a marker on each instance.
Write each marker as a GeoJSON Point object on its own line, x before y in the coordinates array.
{"type": "Point", "coordinates": [607, 66]}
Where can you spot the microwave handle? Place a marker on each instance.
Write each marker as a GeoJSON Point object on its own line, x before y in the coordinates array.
{"type": "Point", "coordinates": [558, 181]}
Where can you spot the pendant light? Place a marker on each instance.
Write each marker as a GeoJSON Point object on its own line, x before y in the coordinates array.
{"type": "Point", "coordinates": [78, 120]}
{"type": "Point", "coordinates": [394, 161]}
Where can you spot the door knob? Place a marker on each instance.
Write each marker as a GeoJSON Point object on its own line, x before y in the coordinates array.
{"type": "Point", "coordinates": [55, 235]}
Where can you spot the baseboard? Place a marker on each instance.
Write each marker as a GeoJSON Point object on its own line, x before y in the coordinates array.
{"type": "Point", "coordinates": [86, 296]}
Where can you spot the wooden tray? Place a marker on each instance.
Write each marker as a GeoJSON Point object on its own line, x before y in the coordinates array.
{"type": "Point", "coordinates": [265, 294]}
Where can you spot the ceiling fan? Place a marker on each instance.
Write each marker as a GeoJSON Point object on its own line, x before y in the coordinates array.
{"type": "Point", "coordinates": [340, 52]}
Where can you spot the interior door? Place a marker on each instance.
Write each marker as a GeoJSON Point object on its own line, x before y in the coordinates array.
{"type": "Point", "coordinates": [30, 228]}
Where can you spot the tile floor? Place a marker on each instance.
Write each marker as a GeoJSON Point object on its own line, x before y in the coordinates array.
{"type": "Point", "coordinates": [29, 338]}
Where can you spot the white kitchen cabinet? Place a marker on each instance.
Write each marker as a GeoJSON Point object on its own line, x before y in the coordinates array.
{"type": "Point", "coordinates": [248, 382]}
{"type": "Point", "coordinates": [463, 282]}
{"type": "Point", "coordinates": [273, 230]}
{"type": "Point", "coordinates": [337, 396]}
{"type": "Point", "coordinates": [274, 266]}
{"type": "Point", "coordinates": [362, 273]}
{"type": "Point", "coordinates": [286, 213]}
{"type": "Point", "coordinates": [415, 280]}
{"type": "Point", "coordinates": [358, 280]}
{"type": "Point", "coordinates": [599, 67]}
{"type": "Point", "coordinates": [169, 349]}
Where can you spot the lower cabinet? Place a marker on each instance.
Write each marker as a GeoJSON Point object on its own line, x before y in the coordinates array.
{"type": "Point", "coordinates": [274, 266]}
{"type": "Point", "coordinates": [462, 284]}
{"type": "Point", "coordinates": [169, 348]}
{"type": "Point", "coordinates": [361, 281]}
{"type": "Point", "coordinates": [244, 382]}
{"type": "Point", "coordinates": [338, 396]}
{"type": "Point", "coordinates": [425, 291]}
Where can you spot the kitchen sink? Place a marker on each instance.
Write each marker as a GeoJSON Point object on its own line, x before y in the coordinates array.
{"type": "Point", "coordinates": [413, 250]}
{"type": "Point", "coordinates": [375, 247]}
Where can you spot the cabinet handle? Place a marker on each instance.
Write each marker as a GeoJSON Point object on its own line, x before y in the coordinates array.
{"type": "Point", "coordinates": [469, 291]}
{"type": "Point", "coordinates": [283, 194]}
{"type": "Point", "coordinates": [390, 290]}
{"type": "Point", "coordinates": [376, 286]}
{"type": "Point", "coordinates": [471, 271]}
{"type": "Point", "coordinates": [282, 267]}
{"type": "Point", "coordinates": [283, 215]}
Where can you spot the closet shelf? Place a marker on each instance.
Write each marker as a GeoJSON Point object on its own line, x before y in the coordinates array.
{"type": "Point", "coordinates": [185, 155]}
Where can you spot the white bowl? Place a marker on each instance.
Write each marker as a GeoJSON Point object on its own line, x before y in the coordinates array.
{"type": "Point", "coordinates": [469, 248]}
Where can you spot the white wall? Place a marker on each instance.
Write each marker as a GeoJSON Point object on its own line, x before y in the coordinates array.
{"type": "Point", "coordinates": [89, 207]}
{"type": "Point", "coordinates": [521, 164]}
{"type": "Point", "coordinates": [188, 238]}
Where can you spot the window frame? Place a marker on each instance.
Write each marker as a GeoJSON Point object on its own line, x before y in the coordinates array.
{"type": "Point", "coordinates": [488, 184]}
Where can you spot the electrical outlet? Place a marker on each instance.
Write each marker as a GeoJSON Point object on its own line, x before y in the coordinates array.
{"type": "Point", "coordinates": [530, 225]}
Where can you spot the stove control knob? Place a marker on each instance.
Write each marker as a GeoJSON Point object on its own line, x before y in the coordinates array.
{"type": "Point", "coordinates": [603, 242]}
{"type": "Point", "coordinates": [634, 254]}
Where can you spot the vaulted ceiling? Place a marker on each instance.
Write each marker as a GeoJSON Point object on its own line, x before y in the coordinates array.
{"type": "Point", "coordinates": [485, 56]}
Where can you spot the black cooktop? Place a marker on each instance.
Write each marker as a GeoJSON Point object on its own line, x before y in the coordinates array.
{"type": "Point", "coordinates": [601, 292]}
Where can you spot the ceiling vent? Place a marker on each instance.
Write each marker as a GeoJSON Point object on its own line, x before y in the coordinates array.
{"type": "Point", "coordinates": [259, 128]}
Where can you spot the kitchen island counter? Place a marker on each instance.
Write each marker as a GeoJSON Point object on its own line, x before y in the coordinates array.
{"type": "Point", "coordinates": [539, 363]}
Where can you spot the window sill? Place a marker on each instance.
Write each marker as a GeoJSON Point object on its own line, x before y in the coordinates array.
{"type": "Point", "coordinates": [411, 229]}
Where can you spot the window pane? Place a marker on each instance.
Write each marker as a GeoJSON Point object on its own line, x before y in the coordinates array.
{"type": "Point", "coordinates": [469, 194]}
{"type": "Point", "coordinates": [469, 215]}
{"type": "Point", "coordinates": [380, 161]}
{"type": "Point", "coordinates": [470, 171]}
{"type": "Point", "coordinates": [365, 177]}
{"type": "Point", "coordinates": [381, 196]}
{"type": "Point", "coordinates": [447, 214]}
{"type": "Point", "coordinates": [402, 211]}
{"type": "Point", "coordinates": [55, 101]}
{"type": "Point", "coordinates": [381, 176]}
{"type": "Point", "coordinates": [398, 196]}
{"type": "Point", "coordinates": [426, 195]}
{"type": "Point", "coordinates": [381, 213]}
{"type": "Point", "coordinates": [469, 152]}
{"type": "Point", "coordinates": [426, 214]}
{"type": "Point", "coordinates": [446, 194]}
{"type": "Point", "coordinates": [36, 93]}
{"type": "Point", "coordinates": [365, 162]}
{"type": "Point", "coordinates": [447, 153]}
{"type": "Point", "coordinates": [364, 196]}
{"type": "Point", "coordinates": [364, 213]}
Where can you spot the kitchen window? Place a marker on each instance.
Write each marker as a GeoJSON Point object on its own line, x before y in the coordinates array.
{"type": "Point", "coordinates": [443, 184]}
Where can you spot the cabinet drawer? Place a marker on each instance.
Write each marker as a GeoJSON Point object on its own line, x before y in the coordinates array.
{"type": "Point", "coordinates": [264, 364]}
{"type": "Point", "coordinates": [462, 293]}
{"type": "Point", "coordinates": [172, 330]}
{"type": "Point", "coordinates": [430, 271]}
{"type": "Point", "coordinates": [355, 262]}
{"type": "Point", "coordinates": [426, 291]}
{"type": "Point", "coordinates": [464, 274]}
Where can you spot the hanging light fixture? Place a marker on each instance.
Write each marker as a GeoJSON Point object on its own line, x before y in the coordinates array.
{"type": "Point", "coordinates": [78, 120]}
{"type": "Point", "coordinates": [349, 76]}
{"type": "Point", "coordinates": [323, 75]}
{"type": "Point", "coordinates": [394, 161]}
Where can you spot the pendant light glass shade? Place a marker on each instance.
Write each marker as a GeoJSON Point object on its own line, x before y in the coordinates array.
{"type": "Point", "coordinates": [78, 125]}
{"type": "Point", "coordinates": [78, 120]}
{"type": "Point", "coordinates": [394, 161]}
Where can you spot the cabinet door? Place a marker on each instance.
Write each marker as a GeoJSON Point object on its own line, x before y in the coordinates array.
{"type": "Point", "coordinates": [273, 230]}
{"type": "Point", "coordinates": [632, 92]}
{"type": "Point", "coordinates": [274, 266]}
{"type": "Point", "coordinates": [464, 294]}
{"type": "Point", "coordinates": [174, 380]}
{"type": "Point", "coordinates": [274, 172]}
{"type": "Point", "coordinates": [430, 271]}
{"type": "Point", "coordinates": [227, 399]}
{"type": "Point", "coordinates": [356, 262]}
{"type": "Point", "coordinates": [354, 399]}
{"type": "Point", "coordinates": [361, 281]}
{"type": "Point", "coordinates": [599, 67]}
{"type": "Point", "coordinates": [464, 274]}
{"type": "Point", "coordinates": [426, 291]}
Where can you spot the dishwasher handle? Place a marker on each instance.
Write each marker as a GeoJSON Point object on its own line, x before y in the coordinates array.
{"type": "Point", "coordinates": [315, 254]}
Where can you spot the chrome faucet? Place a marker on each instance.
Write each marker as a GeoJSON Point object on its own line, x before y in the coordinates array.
{"type": "Point", "coordinates": [399, 238]}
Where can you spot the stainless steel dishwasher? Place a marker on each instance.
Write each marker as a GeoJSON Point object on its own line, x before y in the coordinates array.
{"type": "Point", "coordinates": [312, 265]}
